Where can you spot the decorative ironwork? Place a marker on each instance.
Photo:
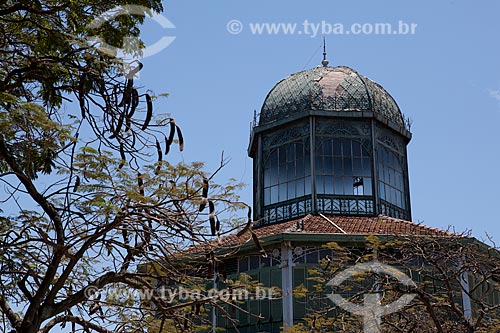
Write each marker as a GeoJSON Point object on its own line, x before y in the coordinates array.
{"type": "Point", "coordinates": [328, 88]}
{"type": "Point", "coordinates": [337, 205]}
{"type": "Point", "coordinates": [393, 211]}
{"type": "Point", "coordinates": [338, 128]}
{"type": "Point", "coordinates": [286, 135]}
{"type": "Point", "coordinates": [287, 210]}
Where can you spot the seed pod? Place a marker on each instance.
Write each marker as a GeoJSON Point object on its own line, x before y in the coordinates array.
{"type": "Point", "coordinates": [134, 71]}
{"type": "Point", "coordinates": [81, 94]}
{"type": "Point", "coordinates": [118, 126]}
{"type": "Point", "coordinates": [149, 111]}
{"type": "Point", "coordinates": [122, 155]}
{"type": "Point", "coordinates": [217, 224]}
{"type": "Point", "coordinates": [127, 93]}
{"type": "Point", "coordinates": [258, 245]}
{"type": "Point", "coordinates": [135, 102]}
{"type": "Point", "coordinates": [170, 139]}
{"type": "Point", "coordinates": [160, 157]}
{"type": "Point", "coordinates": [211, 218]}
{"type": "Point", "coordinates": [204, 194]}
{"type": "Point", "coordinates": [77, 184]}
{"type": "Point", "coordinates": [140, 183]}
{"type": "Point", "coordinates": [180, 138]}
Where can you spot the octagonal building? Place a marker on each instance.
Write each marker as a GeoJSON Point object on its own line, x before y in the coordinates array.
{"type": "Point", "coordinates": [328, 140]}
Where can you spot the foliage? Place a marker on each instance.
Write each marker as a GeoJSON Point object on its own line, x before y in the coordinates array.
{"type": "Point", "coordinates": [439, 267]}
{"type": "Point", "coordinates": [94, 216]}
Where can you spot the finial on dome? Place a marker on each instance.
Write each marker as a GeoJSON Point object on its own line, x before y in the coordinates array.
{"type": "Point", "coordinates": [324, 62]}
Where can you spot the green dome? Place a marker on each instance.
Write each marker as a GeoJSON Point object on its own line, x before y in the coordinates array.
{"type": "Point", "coordinates": [331, 89]}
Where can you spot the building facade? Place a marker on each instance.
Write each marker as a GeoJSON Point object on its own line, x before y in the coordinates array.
{"type": "Point", "coordinates": [330, 164]}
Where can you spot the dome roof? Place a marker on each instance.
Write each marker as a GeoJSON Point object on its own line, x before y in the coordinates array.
{"type": "Point", "coordinates": [331, 89]}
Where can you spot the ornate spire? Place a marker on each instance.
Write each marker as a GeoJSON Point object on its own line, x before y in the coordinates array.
{"type": "Point", "coordinates": [324, 62]}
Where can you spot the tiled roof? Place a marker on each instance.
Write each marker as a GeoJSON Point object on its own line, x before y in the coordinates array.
{"type": "Point", "coordinates": [351, 225]}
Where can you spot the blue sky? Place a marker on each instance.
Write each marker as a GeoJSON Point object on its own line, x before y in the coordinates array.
{"type": "Point", "coordinates": [446, 77]}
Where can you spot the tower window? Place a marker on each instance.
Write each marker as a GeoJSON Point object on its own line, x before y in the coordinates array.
{"type": "Point", "coordinates": [343, 167]}
{"type": "Point", "coordinates": [391, 178]}
{"type": "Point", "coordinates": [287, 173]}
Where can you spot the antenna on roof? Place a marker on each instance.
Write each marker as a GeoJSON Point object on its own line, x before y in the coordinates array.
{"type": "Point", "coordinates": [324, 62]}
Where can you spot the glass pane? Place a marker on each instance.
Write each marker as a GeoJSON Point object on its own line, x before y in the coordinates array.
{"type": "Point", "coordinates": [356, 148]}
{"type": "Point", "coordinates": [357, 167]}
{"type": "Point", "coordinates": [320, 184]}
{"type": "Point", "coordinates": [282, 173]}
{"type": "Point", "coordinates": [282, 155]}
{"type": "Point", "coordinates": [380, 155]}
{"type": "Point", "coordinates": [338, 185]}
{"type": "Point", "coordinates": [346, 148]}
{"type": "Point", "coordinates": [337, 150]}
{"type": "Point", "coordinates": [267, 196]}
{"type": "Point", "coordinates": [348, 188]}
{"type": "Point", "coordinates": [243, 264]}
{"type": "Point", "coordinates": [307, 164]}
{"type": "Point", "coordinates": [299, 150]}
{"type": "Point", "coordinates": [291, 152]}
{"type": "Point", "coordinates": [273, 159]}
{"type": "Point", "coordinates": [291, 190]}
{"type": "Point", "coordinates": [328, 165]}
{"type": "Point", "coordinates": [328, 185]}
{"type": "Point", "coordinates": [382, 191]}
{"type": "Point", "coordinates": [367, 185]}
{"type": "Point", "coordinates": [347, 166]}
{"type": "Point", "coordinates": [312, 258]}
{"type": "Point", "coordinates": [282, 192]}
{"type": "Point", "coordinates": [254, 262]}
{"type": "Point", "coordinates": [299, 167]}
{"type": "Point", "coordinates": [338, 168]}
{"type": "Point", "coordinates": [299, 188]}
{"type": "Point", "coordinates": [274, 194]}
{"type": "Point", "coordinates": [290, 170]}
{"type": "Point", "coordinates": [367, 167]}
{"type": "Point", "coordinates": [319, 164]}
{"type": "Point", "coordinates": [267, 177]}
{"type": "Point", "coordinates": [403, 202]}
{"type": "Point", "coordinates": [273, 175]}
{"type": "Point", "coordinates": [307, 185]}
{"type": "Point", "coordinates": [327, 147]}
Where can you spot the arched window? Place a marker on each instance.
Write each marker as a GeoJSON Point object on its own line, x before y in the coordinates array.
{"type": "Point", "coordinates": [391, 180]}
{"type": "Point", "coordinates": [287, 173]}
{"type": "Point", "coordinates": [343, 167]}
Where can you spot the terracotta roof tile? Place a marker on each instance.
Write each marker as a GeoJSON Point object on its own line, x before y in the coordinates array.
{"type": "Point", "coordinates": [354, 225]}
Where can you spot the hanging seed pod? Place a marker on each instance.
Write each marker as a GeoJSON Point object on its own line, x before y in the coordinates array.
{"type": "Point", "coordinates": [149, 112]}
{"type": "Point", "coordinates": [248, 225]}
{"type": "Point", "coordinates": [140, 183]}
{"type": "Point", "coordinates": [127, 93]}
{"type": "Point", "coordinates": [204, 194]}
{"type": "Point", "coordinates": [170, 139]}
{"type": "Point", "coordinates": [135, 102]}
{"type": "Point", "coordinates": [172, 131]}
{"type": "Point", "coordinates": [158, 150]}
{"type": "Point", "coordinates": [81, 95]}
{"type": "Point", "coordinates": [180, 138]}
{"type": "Point", "coordinates": [160, 157]}
{"type": "Point", "coordinates": [217, 224]}
{"type": "Point", "coordinates": [211, 218]}
{"type": "Point", "coordinates": [122, 155]}
{"type": "Point", "coordinates": [77, 184]}
{"type": "Point", "coordinates": [258, 245]}
{"type": "Point", "coordinates": [134, 71]}
{"type": "Point", "coordinates": [118, 126]}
